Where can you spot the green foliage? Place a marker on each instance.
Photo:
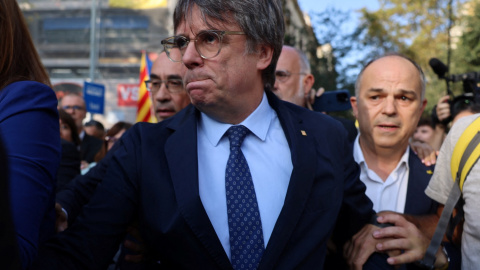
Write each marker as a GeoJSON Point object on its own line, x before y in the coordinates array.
{"type": "Point", "coordinates": [416, 28]}
{"type": "Point", "coordinates": [469, 45]}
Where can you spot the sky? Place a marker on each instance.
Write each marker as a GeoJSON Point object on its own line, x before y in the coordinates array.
{"type": "Point", "coordinates": [316, 6]}
{"type": "Point", "coordinates": [320, 5]}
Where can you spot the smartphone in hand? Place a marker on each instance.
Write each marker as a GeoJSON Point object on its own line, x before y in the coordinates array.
{"type": "Point", "coordinates": [332, 101]}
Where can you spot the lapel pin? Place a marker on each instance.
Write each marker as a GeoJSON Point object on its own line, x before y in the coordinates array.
{"type": "Point", "coordinates": [429, 172]}
{"type": "Point", "coordinates": [303, 132]}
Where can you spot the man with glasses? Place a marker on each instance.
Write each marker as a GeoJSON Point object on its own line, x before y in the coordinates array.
{"type": "Point", "coordinates": [240, 179]}
{"type": "Point", "coordinates": [294, 80]}
{"type": "Point", "coordinates": [75, 106]}
{"type": "Point", "coordinates": [166, 87]}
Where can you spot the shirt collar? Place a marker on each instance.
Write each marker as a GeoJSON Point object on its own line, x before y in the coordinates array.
{"type": "Point", "coordinates": [258, 122]}
{"type": "Point", "coordinates": [360, 159]}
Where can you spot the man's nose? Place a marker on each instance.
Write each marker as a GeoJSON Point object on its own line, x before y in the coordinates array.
{"type": "Point", "coordinates": [191, 58]}
{"type": "Point", "coordinates": [389, 106]}
{"type": "Point", "coordinates": [163, 94]}
{"type": "Point", "coordinates": [275, 85]}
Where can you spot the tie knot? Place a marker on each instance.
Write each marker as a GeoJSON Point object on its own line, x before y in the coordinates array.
{"type": "Point", "coordinates": [236, 135]}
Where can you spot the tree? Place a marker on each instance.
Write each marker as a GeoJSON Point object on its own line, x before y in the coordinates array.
{"type": "Point", "coordinates": [336, 46]}
{"type": "Point", "coordinates": [469, 45]}
{"type": "Point", "coordinates": [416, 28]}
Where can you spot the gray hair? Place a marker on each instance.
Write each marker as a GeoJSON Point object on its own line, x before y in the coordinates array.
{"type": "Point", "coordinates": [261, 20]}
{"type": "Point", "coordinates": [419, 69]}
{"type": "Point", "coordinates": [304, 63]}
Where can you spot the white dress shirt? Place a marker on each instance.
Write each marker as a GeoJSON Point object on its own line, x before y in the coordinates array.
{"type": "Point", "coordinates": [391, 194]}
{"type": "Point", "coordinates": [269, 159]}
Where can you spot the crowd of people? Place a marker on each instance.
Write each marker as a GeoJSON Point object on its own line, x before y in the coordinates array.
{"type": "Point", "coordinates": [239, 172]}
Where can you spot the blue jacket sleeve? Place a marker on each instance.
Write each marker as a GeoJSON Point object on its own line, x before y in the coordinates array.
{"type": "Point", "coordinates": [29, 127]}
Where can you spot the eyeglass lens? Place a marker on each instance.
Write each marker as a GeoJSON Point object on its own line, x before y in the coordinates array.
{"type": "Point", "coordinates": [75, 107]}
{"type": "Point", "coordinates": [172, 85]}
{"type": "Point", "coordinates": [207, 44]}
{"type": "Point", "coordinates": [281, 75]}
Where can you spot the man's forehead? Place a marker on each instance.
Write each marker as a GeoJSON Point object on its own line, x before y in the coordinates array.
{"type": "Point", "coordinates": [399, 72]}
{"type": "Point", "coordinates": [195, 22]}
{"type": "Point", "coordinates": [164, 67]}
{"type": "Point", "coordinates": [288, 59]}
{"type": "Point", "coordinates": [72, 99]}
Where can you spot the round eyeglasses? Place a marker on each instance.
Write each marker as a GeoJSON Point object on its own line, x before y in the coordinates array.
{"type": "Point", "coordinates": [172, 85]}
{"type": "Point", "coordinates": [283, 75]}
{"type": "Point", "coordinates": [208, 44]}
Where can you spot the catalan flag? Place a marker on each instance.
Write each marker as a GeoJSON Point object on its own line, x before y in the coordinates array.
{"type": "Point", "coordinates": [144, 105]}
{"type": "Point", "coordinates": [138, 4]}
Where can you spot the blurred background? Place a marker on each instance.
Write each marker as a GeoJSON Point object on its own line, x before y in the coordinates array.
{"type": "Point", "coordinates": [102, 41]}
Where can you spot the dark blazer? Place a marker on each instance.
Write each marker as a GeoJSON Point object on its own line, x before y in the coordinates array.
{"type": "Point", "coordinates": [90, 147]}
{"type": "Point", "coordinates": [417, 202]}
{"type": "Point", "coordinates": [69, 164]}
{"type": "Point", "coordinates": [153, 178]}
{"type": "Point", "coordinates": [78, 192]}
{"type": "Point", "coordinates": [8, 242]}
{"type": "Point", "coordinates": [30, 131]}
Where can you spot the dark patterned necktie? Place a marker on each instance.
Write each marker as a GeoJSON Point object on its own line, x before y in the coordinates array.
{"type": "Point", "coordinates": [244, 224]}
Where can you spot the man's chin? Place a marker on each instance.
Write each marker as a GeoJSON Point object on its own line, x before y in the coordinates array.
{"type": "Point", "coordinates": [163, 115]}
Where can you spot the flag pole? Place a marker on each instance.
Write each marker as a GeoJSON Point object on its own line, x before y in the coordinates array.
{"type": "Point", "coordinates": [93, 31]}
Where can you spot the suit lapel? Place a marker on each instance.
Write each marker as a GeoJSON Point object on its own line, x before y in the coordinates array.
{"type": "Point", "coordinates": [303, 160]}
{"type": "Point", "coordinates": [416, 201]}
{"type": "Point", "coordinates": [412, 185]}
{"type": "Point", "coordinates": [181, 152]}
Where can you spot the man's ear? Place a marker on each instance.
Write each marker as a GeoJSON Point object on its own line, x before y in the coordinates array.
{"type": "Point", "coordinates": [265, 57]}
{"type": "Point", "coordinates": [308, 81]}
{"type": "Point", "coordinates": [424, 104]}
{"type": "Point", "coordinates": [353, 102]}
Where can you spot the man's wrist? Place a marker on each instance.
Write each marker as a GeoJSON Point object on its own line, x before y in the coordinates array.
{"type": "Point", "coordinates": [442, 261]}
{"type": "Point", "coordinates": [373, 221]}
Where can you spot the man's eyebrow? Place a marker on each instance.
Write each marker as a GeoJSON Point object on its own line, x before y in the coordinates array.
{"type": "Point", "coordinates": [401, 91]}
{"type": "Point", "coordinates": [174, 76]}
{"type": "Point", "coordinates": [169, 77]}
{"type": "Point", "coordinates": [375, 90]}
{"type": "Point", "coordinates": [408, 92]}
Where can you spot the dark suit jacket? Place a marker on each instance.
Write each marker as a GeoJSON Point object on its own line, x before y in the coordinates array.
{"type": "Point", "coordinates": [8, 242]}
{"type": "Point", "coordinates": [417, 202]}
{"type": "Point", "coordinates": [78, 192]}
{"type": "Point", "coordinates": [90, 147]}
{"type": "Point", "coordinates": [153, 177]}
{"type": "Point", "coordinates": [69, 164]}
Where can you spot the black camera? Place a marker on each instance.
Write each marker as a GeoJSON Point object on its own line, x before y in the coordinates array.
{"type": "Point", "coordinates": [471, 89]}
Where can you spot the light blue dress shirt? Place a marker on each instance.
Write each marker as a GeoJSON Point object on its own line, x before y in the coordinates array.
{"type": "Point", "coordinates": [388, 195]}
{"type": "Point", "coordinates": [269, 159]}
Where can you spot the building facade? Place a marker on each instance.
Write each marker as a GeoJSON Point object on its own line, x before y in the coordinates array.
{"type": "Point", "coordinates": [61, 30]}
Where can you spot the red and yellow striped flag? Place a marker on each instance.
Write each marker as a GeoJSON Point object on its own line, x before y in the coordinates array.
{"type": "Point", "coordinates": [144, 105]}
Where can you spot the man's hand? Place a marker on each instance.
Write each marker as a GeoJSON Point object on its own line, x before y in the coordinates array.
{"type": "Point", "coordinates": [425, 152]}
{"type": "Point", "coordinates": [443, 108]}
{"type": "Point", "coordinates": [137, 246]}
{"type": "Point", "coordinates": [358, 250]}
{"type": "Point", "coordinates": [403, 236]}
{"type": "Point", "coordinates": [310, 99]}
{"type": "Point", "coordinates": [61, 222]}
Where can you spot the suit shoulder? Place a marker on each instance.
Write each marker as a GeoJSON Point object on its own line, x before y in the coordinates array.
{"type": "Point", "coordinates": [146, 132]}
{"type": "Point", "coordinates": [28, 94]}
{"type": "Point", "coordinates": [420, 169]}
